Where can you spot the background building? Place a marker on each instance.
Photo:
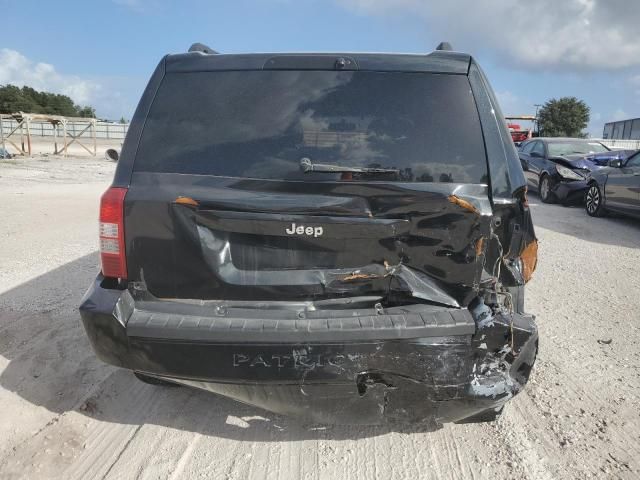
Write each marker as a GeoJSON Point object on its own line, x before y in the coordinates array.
{"type": "Point", "coordinates": [623, 129]}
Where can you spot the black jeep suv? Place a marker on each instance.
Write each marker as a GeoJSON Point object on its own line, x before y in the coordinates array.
{"type": "Point", "coordinates": [341, 237]}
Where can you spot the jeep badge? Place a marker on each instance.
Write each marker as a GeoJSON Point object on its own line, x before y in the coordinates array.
{"type": "Point", "coordinates": [302, 230]}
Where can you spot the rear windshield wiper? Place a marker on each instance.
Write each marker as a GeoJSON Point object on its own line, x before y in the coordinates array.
{"type": "Point", "coordinates": [307, 166]}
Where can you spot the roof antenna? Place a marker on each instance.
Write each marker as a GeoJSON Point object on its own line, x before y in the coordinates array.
{"type": "Point", "coordinates": [201, 47]}
{"type": "Point", "coordinates": [446, 46]}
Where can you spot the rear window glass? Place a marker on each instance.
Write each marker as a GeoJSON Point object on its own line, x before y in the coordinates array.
{"type": "Point", "coordinates": [261, 124]}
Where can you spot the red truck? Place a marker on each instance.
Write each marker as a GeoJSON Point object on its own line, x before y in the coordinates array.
{"type": "Point", "coordinates": [519, 134]}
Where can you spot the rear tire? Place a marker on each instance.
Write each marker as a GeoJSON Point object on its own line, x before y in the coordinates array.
{"type": "Point", "coordinates": [546, 195]}
{"type": "Point", "coordinates": [593, 201]}
{"type": "Point", "coordinates": [153, 380]}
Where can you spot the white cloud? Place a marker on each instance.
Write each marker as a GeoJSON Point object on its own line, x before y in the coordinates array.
{"type": "Point", "coordinates": [634, 82]}
{"type": "Point", "coordinates": [16, 69]}
{"type": "Point", "coordinates": [559, 34]}
{"type": "Point", "coordinates": [512, 104]}
{"type": "Point", "coordinates": [594, 129]}
{"type": "Point", "coordinates": [619, 114]}
{"type": "Point", "coordinates": [111, 97]}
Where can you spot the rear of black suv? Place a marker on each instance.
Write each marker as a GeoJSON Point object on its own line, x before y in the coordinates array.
{"type": "Point", "coordinates": [344, 238]}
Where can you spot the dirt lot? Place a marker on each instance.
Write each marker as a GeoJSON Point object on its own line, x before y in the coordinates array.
{"type": "Point", "coordinates": [63, 414]}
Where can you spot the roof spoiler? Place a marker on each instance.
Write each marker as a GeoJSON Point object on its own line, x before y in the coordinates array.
{"type": "Point", "coordinates": [201, 47]}
{"type": "Point", "coordinates": [446, 46]}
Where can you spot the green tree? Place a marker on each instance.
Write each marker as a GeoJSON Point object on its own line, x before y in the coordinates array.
{"type": "Point", "coordinates": [26, 99]}
{"type": "Point", "coordinates": [13, 100]}
{"type": "Point", "coordinates": [86, 112]}
{"type": "Point", "coordinates": [563, 117]}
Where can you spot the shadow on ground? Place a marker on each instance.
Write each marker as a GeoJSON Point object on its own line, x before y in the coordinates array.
{"type": "Point", "coordinates": [574, 221]}
{"type": "Point", "coordinates": [51, 365]}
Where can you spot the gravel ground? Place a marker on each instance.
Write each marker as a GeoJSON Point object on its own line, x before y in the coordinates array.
{"type": "Point", "coordinates": [66, 415]}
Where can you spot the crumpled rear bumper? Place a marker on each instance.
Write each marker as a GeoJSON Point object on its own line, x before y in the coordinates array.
{"type": "Point", "coordinates": [443, 365]}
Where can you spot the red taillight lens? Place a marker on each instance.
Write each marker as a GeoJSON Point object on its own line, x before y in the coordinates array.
{"type": "Point", "coordinates": [112, 252]}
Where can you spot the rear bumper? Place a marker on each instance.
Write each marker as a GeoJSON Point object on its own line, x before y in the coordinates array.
{"type": "Point", "coordinates": [441, 365]}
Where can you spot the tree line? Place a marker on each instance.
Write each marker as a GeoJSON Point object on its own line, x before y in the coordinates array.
{"type": "Point", "coordinates": [29, 100]}
{"type": "Point", "coordinates": [564, 117]}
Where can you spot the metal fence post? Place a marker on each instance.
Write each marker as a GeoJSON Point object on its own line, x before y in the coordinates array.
{"type": "Point", "coordinates": [29, 135]}
{"type": "Point", "coordinates": [4, 148]}
{"type": "Point", "coordinates": [64, 132]}
{"type": "Point", "coordinates": [55, 138]}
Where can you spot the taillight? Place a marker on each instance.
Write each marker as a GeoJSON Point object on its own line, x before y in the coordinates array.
{"type": "Point", "coordinates": [112, 252]}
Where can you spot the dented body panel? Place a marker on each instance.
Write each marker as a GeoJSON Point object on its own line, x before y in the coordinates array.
{"type": "Point", "coordinates": [384, 238]}
{"type": "Point", "coordinates": [364, 292]}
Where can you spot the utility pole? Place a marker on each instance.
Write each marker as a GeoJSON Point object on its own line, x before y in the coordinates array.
{"type": "Point", "coordinates": [537, 121]}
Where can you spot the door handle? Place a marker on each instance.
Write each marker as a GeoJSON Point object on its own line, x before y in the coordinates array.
{"type": "Point", "coordinates": [637, 174]}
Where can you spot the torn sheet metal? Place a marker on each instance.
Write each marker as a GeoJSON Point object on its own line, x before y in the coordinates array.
{"type": "Point", "coordinates": [437, 256]}
{"type": "Point", "coordinates": [463, 204]}
{"type": "Point", "coordinates": [363, 225]}
{"type": "Point", "coordinates": [217, 254]}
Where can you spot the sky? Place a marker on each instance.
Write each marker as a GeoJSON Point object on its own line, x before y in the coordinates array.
{"type": "Point", "coordinates": [102, 52]}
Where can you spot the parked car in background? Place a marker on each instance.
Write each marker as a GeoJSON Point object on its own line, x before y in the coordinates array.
{"type": "Point", "coordinates": [615, 188]}
{"type": "Point", "coordinates": [557, 168]}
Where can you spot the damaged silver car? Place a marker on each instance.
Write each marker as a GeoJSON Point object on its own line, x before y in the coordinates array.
{"type": "Point", "coordinates": [341, 237]}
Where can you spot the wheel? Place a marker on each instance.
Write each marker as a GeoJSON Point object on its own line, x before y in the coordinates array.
{"type": "Point", "coordinates": [593, 201]}
{"type": "Point", "coordinates": [546, 195]}
{"type": "Point", "coordinates": [153, 380]}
